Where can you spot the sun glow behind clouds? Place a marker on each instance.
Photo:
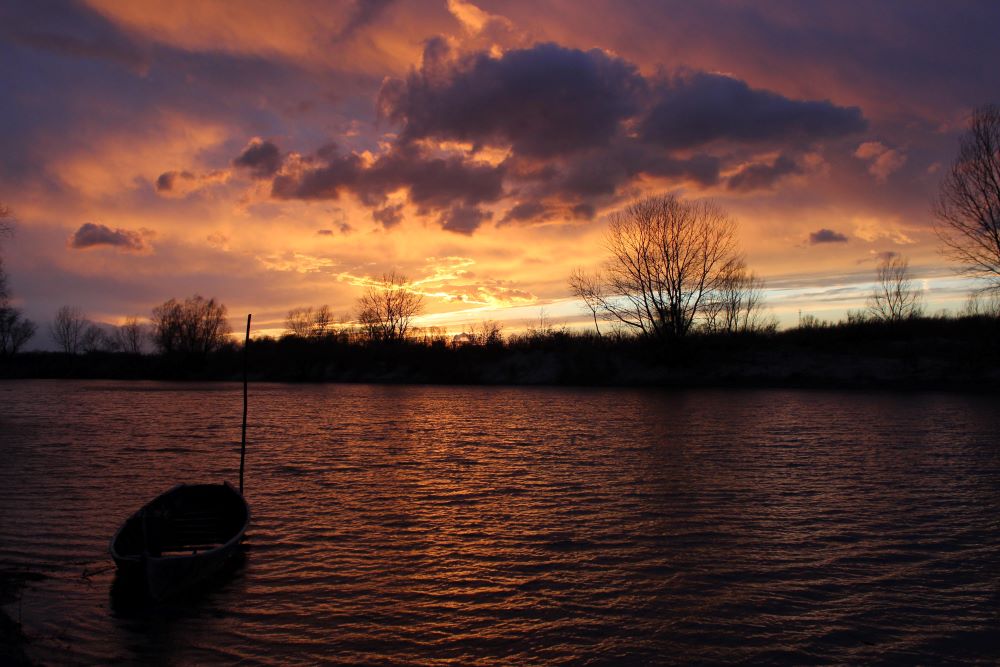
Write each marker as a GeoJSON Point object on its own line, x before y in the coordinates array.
{"type": "Point", "coordinates": [507, 138]}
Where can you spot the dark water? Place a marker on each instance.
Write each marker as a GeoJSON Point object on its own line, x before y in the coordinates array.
{"type": "Point", "coordinates": [406, 525]}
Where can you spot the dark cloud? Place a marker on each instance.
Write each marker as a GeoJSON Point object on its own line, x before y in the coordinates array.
{"type": "Point", "coordinates": [464, 219]}
{"type": "Point", "coordinates": [543, 101]}
{"type": "Point", "coordinates": [537, 211]}
{"type": "Point", "coordinates": [322, 182]}
{"type": "Point", "coordinates": [325, 232]}
{"type": "Point", "coordinates": [527, 210]}
{"type": "Point", "coordinates": [181, 183]}
{"type": "Point", "coordinates": [166, 180]}
{"type": "Point", "coordinates": [761, 176]}
{"type": "Point", "coordinates": [434, 183]}
{"type": "Point", "coordinates": [364, 13]}
{"type": "Point", "coordinates": [71, 29]}
{"type": "Point", "coordinates": [261, 158]}
{"type": "Point", "coordinates": [388, 216]}
{"type": "Point", "coordinates": [90, 235]}
{"type": "Point", "coordinates": [826, 236]}
{"type": "Point", "coordinates": [602, 172]}
{"type": "Point", "coordinates": [696, 108]}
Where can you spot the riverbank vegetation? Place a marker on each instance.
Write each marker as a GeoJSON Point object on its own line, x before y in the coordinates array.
{"type": "Point", "coordinates": [919, 352]}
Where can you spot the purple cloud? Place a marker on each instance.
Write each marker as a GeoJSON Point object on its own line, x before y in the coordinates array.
{"type": "Point", "coordinates": [261, 158]}
{"type": "Point", "coordinates": [544, 101]}
{"type": "Point", "coordinates": [464, 219]}
{"type": "Point", "coordinates": [696, 108]}
{"type": "Point", "coordinates": [826, 236]}
{"type": "Point", "coordinates": [388, 216]}
{"type": "Point", "coordinates": [90, 235]}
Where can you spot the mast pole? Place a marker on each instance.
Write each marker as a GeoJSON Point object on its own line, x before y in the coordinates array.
{"type": "Point", "coordinates": [243, 440]}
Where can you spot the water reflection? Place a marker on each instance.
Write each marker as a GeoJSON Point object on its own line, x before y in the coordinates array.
{"type": "Point", "coordinates": [416, 524]}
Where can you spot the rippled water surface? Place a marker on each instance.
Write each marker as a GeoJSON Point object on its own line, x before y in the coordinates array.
{"type": "Point", "coordinates": [518, 525]}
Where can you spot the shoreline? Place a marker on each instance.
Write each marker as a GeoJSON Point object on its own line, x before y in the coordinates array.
{"type": "Point", "coordinates": [12, 638]}
{"type": "Point", "coordinates": [928, 354]}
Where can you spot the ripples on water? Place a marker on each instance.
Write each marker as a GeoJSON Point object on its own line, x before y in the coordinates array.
{"type": "Point", "coordinates": [483, 525]}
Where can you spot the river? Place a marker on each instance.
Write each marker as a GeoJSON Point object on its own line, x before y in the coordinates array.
{"type": "Point", "coordinates": [484, 525]}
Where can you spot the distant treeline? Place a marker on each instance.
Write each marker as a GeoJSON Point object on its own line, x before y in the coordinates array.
{"type": "Point", "coordinates": [921, 352]}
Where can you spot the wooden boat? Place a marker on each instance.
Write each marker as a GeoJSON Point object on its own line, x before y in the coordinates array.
{"type": "Point", "coordinates": [181, 538]}
{"type": "Point", "coordinates": [184, 536]}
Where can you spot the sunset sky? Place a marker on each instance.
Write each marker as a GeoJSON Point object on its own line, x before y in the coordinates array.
{"type": "Point", "coordinates": [281, 154]}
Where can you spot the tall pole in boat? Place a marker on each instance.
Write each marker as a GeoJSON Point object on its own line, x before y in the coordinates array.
{"type": "Point", "coordinates": [243, 440]}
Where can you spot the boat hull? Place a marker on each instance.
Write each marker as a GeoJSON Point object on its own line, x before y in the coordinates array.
{"type": "Point", "coordinates": [182, 538]}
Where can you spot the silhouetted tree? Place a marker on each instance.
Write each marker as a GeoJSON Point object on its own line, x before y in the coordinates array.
{"type": "Point", "coordinates": [130, 335]}
{"type": "Point", "coordinates": [309, 322]}
{"type": "Point", "coordinates": [299, 322]}
{"type": "Point", "coordinates": [736, 305]}
{"type": "Point", "coordinates": [894, 297]}
{"type": "Point", "coordinates": [193, 327]}
{"type": "Point", "coordinates": [983, 304]}
{"type": "Point", "coordinates": [322, 321]}
{"type": "Point", "coordinates": [588, 288]}
{"type": "Point", "coordinates": [543, 328]}
{"type": "Point", "coordinates": [387, 308]}
{"type": "Point", "coordinates": [487, 332]}
{"type": "Point", "coordinates": [6, 231]}
{"type": "Point", "coordinates": [15, 330]}
{"type": "Point", "coordinates": [968, 206]}
{"type": "Point", "coordinates": [67, 329]}
{"type": "Point", "coordinates": [667, 257]}
{"type": "Point", "coordinates": [96, 339]}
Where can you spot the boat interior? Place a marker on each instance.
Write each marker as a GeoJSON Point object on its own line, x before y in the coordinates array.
{"type": "Point", "coordinates": [186, 520]}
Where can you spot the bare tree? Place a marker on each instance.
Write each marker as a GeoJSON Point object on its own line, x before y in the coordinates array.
{"type": "Point", "coordinates": [67, 329]}
{"type": "Point", "coordinates": [487, 332]}
{"type": "Point", "coordinates": [15, 330]}
{"type": "Point", "coordinates": [983, 303]}
{"type": "Point", "coordinates": [306, 321]}
{"type": "Point", "coordinates": [968, 206]}
{"type": "Point", "coordinates": [6, 231]}
{"type": "Point", "coordinates": [588, 288]}
{"type": "Point", "coordinates": [130, 334]}
{"type": "Point", "coordinates": [667, 258]}
{"type": "Point", "coordinates": [193, 327]}
{"type": "Point", "coordinates": [299, 322]}
{"type": "Point", "coordinates": [737, 303]}
{"type": "Point", "coordinates": [96, 339]}
{"type": "Point", "coordinates": [387, 308]}
{"type": "Point", "coordinates": [894, 298]}
{"type": "Point", "coordinates": [323, 321]}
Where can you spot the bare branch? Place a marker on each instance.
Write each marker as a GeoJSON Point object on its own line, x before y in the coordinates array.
{"type": "Point", "coordinates": [668, 257]}
{"type": "Point", "coordinates": [968, 205]}
{"type": "Point", "coordinates": [67, 329]}
{"type": "Point", "coordinates": [894, 297]}
{"type": "Point", "coordinates": [193, 327]}
{"type": "Point", "coordinates": [386, 310]}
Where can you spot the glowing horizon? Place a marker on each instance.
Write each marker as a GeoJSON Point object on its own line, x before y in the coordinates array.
{"type": "Point", "coordinates": [275, 157]}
